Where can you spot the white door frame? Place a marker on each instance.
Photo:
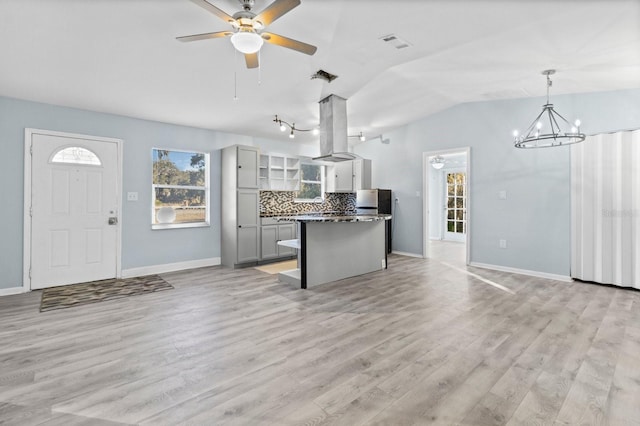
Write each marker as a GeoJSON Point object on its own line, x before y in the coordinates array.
{"type": "Point", "coordinates": [425, 198]}
{"type": "Point", "coordinates": [26, 256]}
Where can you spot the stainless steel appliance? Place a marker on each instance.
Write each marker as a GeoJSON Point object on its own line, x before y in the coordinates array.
{"type": "Point", "coordinates": [376, 201]}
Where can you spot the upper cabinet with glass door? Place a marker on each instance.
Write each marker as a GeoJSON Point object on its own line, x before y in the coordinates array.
{"type": "Point", "coordinates": [279, 172]}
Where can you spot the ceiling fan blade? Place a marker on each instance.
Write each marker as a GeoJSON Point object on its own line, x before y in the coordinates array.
{"type": "Point", "coordinates": [251, 59]}
{"type": "Point", "coordinates": [205, 36]}
{"type": "Point", "coordinates": [275, 10]}
{"type": "Point", "coordinates": [289, 43]}
{"type": "Point", "coordinates": [211, 8]}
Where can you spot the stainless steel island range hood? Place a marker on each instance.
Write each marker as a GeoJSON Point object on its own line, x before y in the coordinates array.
{"type": "Point", "coordinates": [333, 130]}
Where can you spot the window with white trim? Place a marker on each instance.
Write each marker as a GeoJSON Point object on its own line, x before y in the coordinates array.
{"type": "Point", "coordinates": [312, 183]}
{"type": "Point", "coordinates": [180, 189]}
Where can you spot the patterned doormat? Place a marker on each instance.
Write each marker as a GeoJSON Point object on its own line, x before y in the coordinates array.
{"type": "Point", "coordinates": [67, 296]}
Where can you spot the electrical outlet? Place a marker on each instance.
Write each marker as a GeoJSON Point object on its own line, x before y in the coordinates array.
{"type": "Point", "coordinates": [132, 196]}
{"type": "Point", "coordinates": [383, 264]}
{"type": "Point", "coordinates": [502, 244]}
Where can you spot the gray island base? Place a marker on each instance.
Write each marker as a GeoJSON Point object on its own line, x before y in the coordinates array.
{"type": "Point", "coordinates": [332, 248]}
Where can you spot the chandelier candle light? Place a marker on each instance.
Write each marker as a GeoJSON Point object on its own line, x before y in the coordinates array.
{"type": "Point", "coordinates": [535, 136]}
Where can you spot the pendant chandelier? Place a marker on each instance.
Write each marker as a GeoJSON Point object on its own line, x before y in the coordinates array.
{"type": "Point", "coordinates": [538, 136]}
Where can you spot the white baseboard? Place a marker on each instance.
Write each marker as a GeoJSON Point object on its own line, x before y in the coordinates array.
{"type": "Point", "coordinates": [11, 290]}
{"type": "Point", "coordinates": [170, 267]}
{"type": "Point", "coordinates": [402, 253]}
{"type": "Point", "coordinates": [537, 274]}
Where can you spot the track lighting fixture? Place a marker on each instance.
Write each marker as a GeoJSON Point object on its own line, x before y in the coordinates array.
{"type": "Point", "coordinates": [359, 136]}
{"type": "Point", "coordinates": [292, 126]}
{"type": "Point", "coordinates": [283, 125]}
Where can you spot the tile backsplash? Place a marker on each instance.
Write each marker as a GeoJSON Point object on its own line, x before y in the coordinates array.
{"type": "Point", "coordinates": [274, 203]}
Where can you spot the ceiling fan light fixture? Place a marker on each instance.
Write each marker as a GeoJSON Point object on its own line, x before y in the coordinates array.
{"type": "Point", "coordinates": [246, 42]}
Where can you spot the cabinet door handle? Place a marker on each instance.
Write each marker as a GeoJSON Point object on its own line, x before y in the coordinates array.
{"type": "Point", "coordinates": [239, 226]}
{"type": "Point", "coordinates": [239, 167]}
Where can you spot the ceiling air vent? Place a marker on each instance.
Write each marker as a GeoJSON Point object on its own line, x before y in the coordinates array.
{"type": "Point", "coordinates": [395, 41]}
{"type": "Point", "coordinates": [323, 75]}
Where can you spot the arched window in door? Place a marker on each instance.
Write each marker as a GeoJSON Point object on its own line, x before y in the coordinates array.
{"type": "Point", "coordinates": [76, 155]}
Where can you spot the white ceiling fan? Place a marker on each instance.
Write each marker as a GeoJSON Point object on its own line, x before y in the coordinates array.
{"type": "Point", "coordinates": [248, 32]}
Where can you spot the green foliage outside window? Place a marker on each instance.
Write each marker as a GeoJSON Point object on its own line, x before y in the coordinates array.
{"type": "Point", "coordinates": [310, 182]}
{"type": "Point", "coordinates": [179, 181]}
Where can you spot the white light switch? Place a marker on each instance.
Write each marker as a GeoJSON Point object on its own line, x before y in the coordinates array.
{"type": "Point", "coordinates": [502, 195]}
{"type": "Point", "coordinates": [503, 244]}
{"type": "Point", "coordinates": [132, 196]}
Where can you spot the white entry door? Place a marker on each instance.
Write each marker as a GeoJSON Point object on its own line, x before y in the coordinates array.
{"type": "Point", "coordinates": [74, 209]}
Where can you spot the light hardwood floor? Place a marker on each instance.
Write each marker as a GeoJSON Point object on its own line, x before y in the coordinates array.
{"type": "Point", "coordinates": [423, 342]}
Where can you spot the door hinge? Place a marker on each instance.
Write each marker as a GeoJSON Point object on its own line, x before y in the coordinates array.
{"type": "Point", "coordinates": [31, 211]}
{"type": "Point", "coordinates": [31, 149]}
{"type": "Point", "coordinates": [29, 272]}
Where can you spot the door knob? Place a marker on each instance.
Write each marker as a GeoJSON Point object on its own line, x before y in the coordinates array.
{"type": "Point", "coordinates": [113, 220]}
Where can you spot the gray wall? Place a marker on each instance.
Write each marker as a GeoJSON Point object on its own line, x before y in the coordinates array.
{"type": "Point", "coordinates": [535, 218]}
{"type": "Point", "coordinates": [141, 246]}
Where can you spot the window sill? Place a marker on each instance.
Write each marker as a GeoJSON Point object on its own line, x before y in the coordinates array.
{"type": "Point", "coordinates": [308, 200]}
{"type": "Point", "coordinates": [158, 226]}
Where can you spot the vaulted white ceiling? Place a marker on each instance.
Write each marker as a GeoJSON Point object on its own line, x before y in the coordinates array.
{"type": "Point", "coordinates": [121, 56]}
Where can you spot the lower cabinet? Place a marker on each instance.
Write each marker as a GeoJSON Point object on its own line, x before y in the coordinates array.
{"type": "Point", "coordinates": [248, 225]}
{"type": "Point", "coordinates": [270, 234]}
{"type": "Point", "coordinates": [286, 231]}
{"type": "Point", "coordinates": [269, 238]}
{"type": "Point", "coordinates": [247, 244]}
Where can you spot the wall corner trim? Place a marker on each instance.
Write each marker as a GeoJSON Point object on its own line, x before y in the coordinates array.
{"type": "Point", "coordinates": [537, 274]}
{"type": "Point", "coordinates": [170, 267]}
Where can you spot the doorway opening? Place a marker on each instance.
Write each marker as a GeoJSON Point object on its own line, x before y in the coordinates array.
{"type": "Point", "coordinates": [446, 205]}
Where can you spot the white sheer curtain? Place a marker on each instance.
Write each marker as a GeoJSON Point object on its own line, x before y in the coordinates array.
{"type": "Point", "coordinates": [605, 207]}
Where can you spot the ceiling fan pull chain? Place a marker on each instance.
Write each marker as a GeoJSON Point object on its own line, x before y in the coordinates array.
{"type": "Point", "coordinates": [235, 85]}
{"type": "Point", "coordinates": [259, 68]}
{"type": "Point", "coordinates": [235, 75]}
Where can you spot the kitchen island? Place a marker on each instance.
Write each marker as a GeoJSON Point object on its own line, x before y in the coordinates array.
{"type": "Point", "coordinates": [334, 247]}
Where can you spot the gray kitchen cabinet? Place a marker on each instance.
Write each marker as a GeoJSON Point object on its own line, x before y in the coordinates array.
{"type": "Point", "coordinates": [269, 242]}
{"type": "Point", "coordinates": [271, 232]}
{"type": "Point", "coordinates": [240, 213]}
{"type": "Point", "coordinates": [248, 158]}
{"type": "Point", "coordinates": [286, 231]}
{"type": "Point", "coordinates": [343, 172]}
{"type": "Point", "coordinates": [349, 176]}
{"type": "Point", "coordinates": [248, 226]}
